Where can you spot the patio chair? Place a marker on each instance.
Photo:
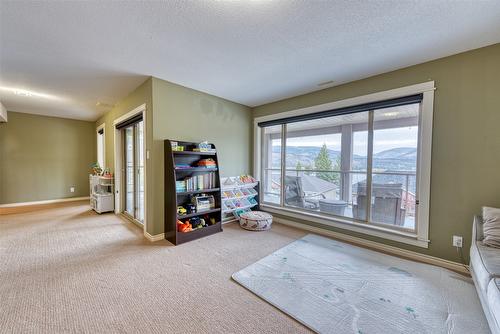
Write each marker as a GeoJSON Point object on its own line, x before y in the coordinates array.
{"type": "Point", "coordinates": [295, 196]}
{"type": "Point", "coordinates": [387, 203]}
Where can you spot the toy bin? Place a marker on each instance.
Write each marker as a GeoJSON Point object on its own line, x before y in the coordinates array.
{"type": "Point", "coordinates": [256, 221]}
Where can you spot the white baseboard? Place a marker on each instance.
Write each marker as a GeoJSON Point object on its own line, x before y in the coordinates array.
{"type": "Point", "coordinates": [50, 201]}
{"type": "Point", "coordinates": [153, 238]}
{"type": "Point", "coordinates": [411, 255]}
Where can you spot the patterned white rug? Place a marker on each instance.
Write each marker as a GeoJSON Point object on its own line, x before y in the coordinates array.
{"type": "Point", "coordinates": [333, 287]}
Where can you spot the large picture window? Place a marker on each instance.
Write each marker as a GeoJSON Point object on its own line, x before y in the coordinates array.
{"type": "Point", "coordinates": [356, 164]}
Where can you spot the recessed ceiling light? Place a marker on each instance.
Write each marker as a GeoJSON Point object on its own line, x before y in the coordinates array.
{"type": "Point", "coordinates": [326, 83]}
{"type": "Point", "coordinates": [28, 93]}
{"type": "Point", "coordinates": [22, 92]}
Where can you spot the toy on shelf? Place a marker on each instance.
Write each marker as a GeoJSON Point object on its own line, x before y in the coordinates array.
{"type": "Point", "coordinates": [245, 192]}
{"type": "Point", "coordinates": [184, 227]}
{"type": "Point", "coordinates": [238, 193]}
{"type": "Point", "coordinates": [190, 208]}
{"type": "Point", "coordinates": [176, 146]}
{"type": "Point", "coordinates": [230, 205]}
{"type": "Point", "coordinates": [247, 179]}
{"type": "Point", "coordinates": [207, 163]}
{"type": "Point", "coordinates": [96, 169]}
{"type": "Point", "coordinates": [203, 202]}
{"type": "Point", "coordinates": [181, 210]}
{"type": "Point", "coordinates": [204, 147]}
{"type": "Point", "coordinates": [197, 222]}
{"type": "Point", "coordinates": [182, 166]}
{"type": "Point", "coordinates": [227, 194]}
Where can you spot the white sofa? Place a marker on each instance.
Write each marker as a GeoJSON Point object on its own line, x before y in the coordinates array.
{"type": "Point", "coordinates": [485, 270]}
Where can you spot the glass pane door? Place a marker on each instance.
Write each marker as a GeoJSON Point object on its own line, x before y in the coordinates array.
{"type": "Point", "coordinates": [129, 171]}
{"type": "Point", "coordinates": [271, 164]}
{"type": "Point", "coordinates": [139, 159]}
{"type": "Point", "coordinates": [134, 171]}
{"type": "Point", "coordinates": [395, 147]}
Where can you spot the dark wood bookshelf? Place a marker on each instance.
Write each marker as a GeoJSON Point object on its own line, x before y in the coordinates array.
{"type": "Point", "coordinates": [173, 199]}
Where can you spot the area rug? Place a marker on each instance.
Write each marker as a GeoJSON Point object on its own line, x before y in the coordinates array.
{"type": "Point", "coordinates": [334, 287]}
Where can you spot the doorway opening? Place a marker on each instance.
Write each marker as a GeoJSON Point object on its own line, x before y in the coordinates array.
{"type": "Point", "coordinates": [130, 166]}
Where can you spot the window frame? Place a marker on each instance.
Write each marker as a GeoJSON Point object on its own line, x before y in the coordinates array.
{"type": "Point", "coordinates": [420, 237]}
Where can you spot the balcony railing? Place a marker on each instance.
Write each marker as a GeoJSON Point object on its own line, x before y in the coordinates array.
{"type": "Point", "coordinates": [342, 185]}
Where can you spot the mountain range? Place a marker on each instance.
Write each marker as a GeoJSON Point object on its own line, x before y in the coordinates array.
{"type": "Point", "coordinates": [400, 158]}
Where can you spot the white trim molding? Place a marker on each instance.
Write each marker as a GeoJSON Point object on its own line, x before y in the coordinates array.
{"type": "Point", "coordinates": [338, 222]}
{"type": "Point", "coordinates": [154, 238]}
{"type": "Point", "coordinates": [102, 127]}
{"type": "Point", "coordinates": [419, 237]}
{"type": "Point", "coordinates": [396, 251]}
{"type": "Point", "coordinates": [49, 201]}
{"type": "Point", "coordinates": [370, 98]}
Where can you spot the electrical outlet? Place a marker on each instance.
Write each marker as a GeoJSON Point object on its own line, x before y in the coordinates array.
{"type": "Point", "coordinates": [72, 189]}
{"type": "Point", "coordinates": [457, 241]}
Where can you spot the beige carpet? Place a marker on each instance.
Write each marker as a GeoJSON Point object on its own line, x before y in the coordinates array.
{"type": "Point", "coordinates": [69, 270]}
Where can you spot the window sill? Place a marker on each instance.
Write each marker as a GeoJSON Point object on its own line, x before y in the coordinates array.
{"type": "Point", "coordinates": [372, 230]}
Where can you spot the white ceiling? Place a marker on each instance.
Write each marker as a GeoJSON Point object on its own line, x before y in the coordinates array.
{"type": "Point", "coordinates": [252, 52]}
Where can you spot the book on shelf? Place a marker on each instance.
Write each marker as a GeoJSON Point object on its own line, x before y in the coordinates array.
{"type": "Point", "coordinates": [197, 182]}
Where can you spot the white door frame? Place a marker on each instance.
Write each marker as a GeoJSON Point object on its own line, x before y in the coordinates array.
{"type": "Point", "coordinates": [102, 127]}
{"type": "Point", "coordinates": [118, 148]}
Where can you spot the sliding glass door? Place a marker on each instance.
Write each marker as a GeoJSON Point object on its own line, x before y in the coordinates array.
{"type": "Point", "coordinates": [133, 143]}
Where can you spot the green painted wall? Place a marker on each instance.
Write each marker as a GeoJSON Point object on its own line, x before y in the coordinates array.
{"type": "Point", "coordinates": [141, 95]}
{"type": "Point", "coordinates": [186, 114]}
{"type": "Point", "coordinates": [466, 137]}
{"type": "Point", "coordinates": [42, 157]}
{"type": "Point", "coordinates": [176, 112]}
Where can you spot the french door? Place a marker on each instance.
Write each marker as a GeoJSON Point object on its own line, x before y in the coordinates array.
{"type": "Point", "coordinates": [133, 137]}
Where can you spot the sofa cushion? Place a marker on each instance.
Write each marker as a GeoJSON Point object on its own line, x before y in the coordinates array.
{"type": "Point", "coordinates": [477, 231]}
{"type": "Point", "coordinates": [493, 297]}
{"type": "Point", "coordinates": [485, 262]}
{"type": "Point", "coordinates": [491, 226]}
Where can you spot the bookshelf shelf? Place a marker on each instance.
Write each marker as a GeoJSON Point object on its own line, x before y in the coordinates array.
{"type": "Point", "coordinates": [207, 178]}
{"type": "Point", "coordinates": [201, 213]}
{"type": "Point", "coordinates": [192, 153]}
{"type": "Point", "coordinates": [196, 169]}
{"type": "Point", "coordinates": [198, 191]}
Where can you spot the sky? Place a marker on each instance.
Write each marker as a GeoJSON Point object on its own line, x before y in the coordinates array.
{"type": "Point", "coordinates": [382, 140]}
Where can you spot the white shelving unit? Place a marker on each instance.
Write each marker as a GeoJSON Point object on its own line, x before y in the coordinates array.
{"type": "Point", "coordinates": [102, 193]}
{"type": "Point", "coordinates": [237, 195]}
